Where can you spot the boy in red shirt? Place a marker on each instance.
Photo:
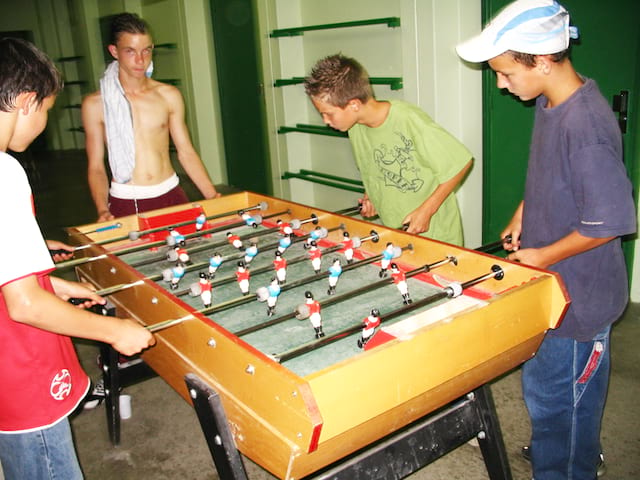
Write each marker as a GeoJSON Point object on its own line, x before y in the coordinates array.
{"type": "Point", "coordinates": [42, 379]}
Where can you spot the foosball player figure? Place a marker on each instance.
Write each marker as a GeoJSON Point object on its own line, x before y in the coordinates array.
{"type": "Point", "coordinates": [234, 240]}
{"type": "Point", "coordinates": [182, 255]}
{"type": "Point", "coordinates": [284, 243]}
{"type": "Point", "coordinates": [250, 221]}
{"type": "Point", "coordinates": [175, 238]}
{"type": "Point", "coordinates": [400, 279]}
{"type": "Point", "coordinates": [242, 275]}
{"type": "Point", "coordinates": [280, 266]}
{"type": "Point", "coordinates": [200, 221]}
{"type": "Point", "coordinates": [347, 248]}
{"type": "Point", "coordinates": [314, 313]}
{"type": "Point", "coordinates": [335, 270]}
{"type": "Point", "coordinates": [250, 252]}
{"type": "Point", "coordinates": [205, 290]}
{"type": "Point", "coordinates": [285, 227]}
{"type": "Point", "coordinates": [315, 235]}
{"type": "Point", "coordinates": [177, 273]}
{"type": "Point", "coordinates": [214, 263]}
{"type": "Point", "coordinates": [274, 291]}
{"type": "Point", "coordinates": [387, 255]}
{"type": "Point", "coordinates": [315, 255]}
{"type": "Point", "coordinates": [369, 327]}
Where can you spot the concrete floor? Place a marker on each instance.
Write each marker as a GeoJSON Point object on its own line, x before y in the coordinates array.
{"type": "Point", "coordinates": [163, 440]}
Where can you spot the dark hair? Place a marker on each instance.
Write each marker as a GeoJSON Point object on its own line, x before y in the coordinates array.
{"type": "Point", "coordinates": [529, 59]}
{"type": "Point", "coordinates": [24, 68]}
{"type": "Point", "coordinates": [127, 23]}
{"type": "Point", "coordinates": [337, 79]}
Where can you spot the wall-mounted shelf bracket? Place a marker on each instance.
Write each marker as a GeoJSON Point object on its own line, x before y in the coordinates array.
{"type": "Point", "coordinates": [391, 22]}
{"type": "Point", "coordinates": [326, 179]}
{"type": "Point", "coordinates": [313, 129]}
{"type": "Point", "coordinates": [395, 83]}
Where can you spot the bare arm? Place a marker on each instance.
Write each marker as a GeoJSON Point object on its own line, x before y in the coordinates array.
{"type": "Point", "coordinates": [568, 246]}
{"type": "Point", "coordinates": [29, 304]}
{"type": "Point", "coordinates": [93, 123]}
{"type": "Point", "coordinates": [573, 244]}
{"type": "Point", "coordinates": [420, 219]}
{"type": "Point", "coordinates": [187, 155]}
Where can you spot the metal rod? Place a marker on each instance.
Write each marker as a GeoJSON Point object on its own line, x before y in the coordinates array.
{"type": "Point", "coordinates": [447, 292]}
{"type": "Point", "coordinates": [346, 296]}
{"type": "Point", "coordinates": [158, 243]}
{"type": "Point", "coordinates": [489, 247]}
{"type": "Point", "coordinates": [260, 206]}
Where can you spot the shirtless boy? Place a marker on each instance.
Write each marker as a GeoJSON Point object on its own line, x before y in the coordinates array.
{"type": "Point", "coordinates": [145, 113]}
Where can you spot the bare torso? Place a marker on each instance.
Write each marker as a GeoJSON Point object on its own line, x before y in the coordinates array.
{"type": "Point", "coordinates": [151, 109]}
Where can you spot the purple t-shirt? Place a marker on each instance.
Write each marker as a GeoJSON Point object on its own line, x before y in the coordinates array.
{"type": "Point", "coordinates": [576, 181]}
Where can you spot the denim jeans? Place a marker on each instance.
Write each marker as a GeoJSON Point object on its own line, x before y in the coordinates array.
{"type": "Point", "coordinates": [565, 388]}
{"type": "Point", "coordinates": [46, 454]}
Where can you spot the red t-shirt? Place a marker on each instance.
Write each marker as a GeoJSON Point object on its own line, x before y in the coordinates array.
{"type": "Point", "coordinates": [42, 380]}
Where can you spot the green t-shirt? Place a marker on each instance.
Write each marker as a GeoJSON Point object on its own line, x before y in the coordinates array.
{"type": "Point", "coordinates": [403, 161]}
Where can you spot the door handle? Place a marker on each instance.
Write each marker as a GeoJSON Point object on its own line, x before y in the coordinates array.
{"type": "Point", "coordinates": [621, 106]}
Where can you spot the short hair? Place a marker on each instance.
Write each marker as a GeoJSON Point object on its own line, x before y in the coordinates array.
{"type": "Point", "coordinates": [24, 68]}
{"type": "Point", "coordinates": [337, 79]}
{"type": "Point", "coordinates": [127, 23]}
{"type": "Point", "coordinates": [529, 59]}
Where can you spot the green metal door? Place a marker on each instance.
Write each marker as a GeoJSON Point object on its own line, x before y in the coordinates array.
{"type": "Point", "coordinates": [241, 94]}
{"type": "Point", "coordinates": [608, 51]}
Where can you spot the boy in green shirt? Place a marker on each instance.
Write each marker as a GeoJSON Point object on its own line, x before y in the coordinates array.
{"type": "Point", "coordinates": [409, 165]}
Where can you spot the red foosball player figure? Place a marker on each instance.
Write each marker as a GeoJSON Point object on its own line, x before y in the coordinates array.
{"type": "Point", "coordinates": [387, 255]}
{"type": "Point", "coordinates": [242, 275]}
{"type": "Point", "coordinates": [285, 227]}
{"type": "Point", "coordinates": [182, 255]}
{"type": "Point", "coordinates": [400, 279]}
{"type": "Point", "coordinates": [314, 313]}
{"type": "Point", "coordinates": [369, 327]}
{"type": "Point", "coordinates": [205, 290]}
{"type": "Point", "coordinates": [315, 254]}
{"type": "Point", "coordinates": [234, 240]}
{"type": "Point", "coordinates": [280, 266]}
{"type": "Point", "coordinates": [347, 249]}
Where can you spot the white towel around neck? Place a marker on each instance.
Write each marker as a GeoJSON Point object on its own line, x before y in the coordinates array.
{"type": "Point", "coordinates": [118, 124]}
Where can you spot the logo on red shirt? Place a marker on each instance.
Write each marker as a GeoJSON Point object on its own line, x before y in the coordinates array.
{"type": "Point", "coordinates": [61, 385]}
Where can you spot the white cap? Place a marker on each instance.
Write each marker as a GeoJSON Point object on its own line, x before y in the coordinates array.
{"type": "Point", "coordinates": [537, 27]}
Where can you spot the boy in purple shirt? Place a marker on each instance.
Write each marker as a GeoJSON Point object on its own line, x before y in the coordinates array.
{"type": "Point", "coordinates": [577, 204]}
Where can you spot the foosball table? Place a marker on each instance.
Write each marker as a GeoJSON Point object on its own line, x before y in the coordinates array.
{"type": "Point", "coordinates": [318, 333]}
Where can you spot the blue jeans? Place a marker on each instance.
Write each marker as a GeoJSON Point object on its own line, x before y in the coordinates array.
{"type": "Point", "coordinates": [46, 454]}
{"type": "Point", "coordinates": [565, 388]}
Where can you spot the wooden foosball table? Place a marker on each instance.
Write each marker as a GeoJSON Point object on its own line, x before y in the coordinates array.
{"type": "Point", "coordinates": [302, 381]}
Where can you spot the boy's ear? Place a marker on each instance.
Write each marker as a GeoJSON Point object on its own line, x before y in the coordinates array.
{"type": "Point", "coordinates": [113, 50]}
{"type": "Point", "coordinates": [25, 102]}
{"type": "Point", "coordinates": [354, 104]}
{"type": "Point", "coordinates": [544, 63]}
